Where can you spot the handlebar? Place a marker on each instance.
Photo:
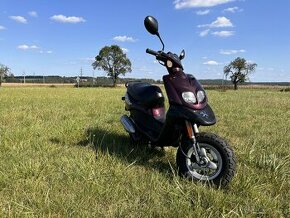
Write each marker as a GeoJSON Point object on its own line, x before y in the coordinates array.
{"type": "Point", "coordinates": [149, 51]}
{"type": "Point", "coordinates": [160, 55]}
{"type": "Point", "coordinates": [163, 57]}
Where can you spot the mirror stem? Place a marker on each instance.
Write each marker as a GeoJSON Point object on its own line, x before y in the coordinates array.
{"type": "Point", "coordinates": [161, 41]}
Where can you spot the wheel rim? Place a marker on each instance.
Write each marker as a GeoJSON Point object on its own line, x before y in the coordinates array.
{"type": "Point", "coordinates": [204, 172]}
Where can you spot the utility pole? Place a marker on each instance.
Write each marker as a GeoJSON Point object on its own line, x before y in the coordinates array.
{"type": "Point", "coordinates": [81, 72]}
{"type": "Point", "coordinates": [24, 77]}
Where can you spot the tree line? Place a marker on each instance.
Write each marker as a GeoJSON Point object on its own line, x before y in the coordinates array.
{"type": "Point", "coordinates": [85, 81]}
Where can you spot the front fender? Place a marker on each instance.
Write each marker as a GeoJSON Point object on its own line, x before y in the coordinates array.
{"type": "Point", "coordinates": [203, 117]}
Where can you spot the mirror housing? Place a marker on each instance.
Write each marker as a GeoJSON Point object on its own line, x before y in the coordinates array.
{"type": "Point", "coordinates": [182, 54]}
{"type": "Point", "coordinates": [151, 25]}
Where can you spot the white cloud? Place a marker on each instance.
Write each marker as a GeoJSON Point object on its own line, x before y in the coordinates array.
{"type": "Point", "coordinates": [180, 4]}
{"type": "Point", "coordinates": [219, 22]}
{"type": "Point", "coordinates": [125, 50]}
{"type": "Point", "coordinates": [23, 47]}
{"type": "Point", "coordinates": [64, 19]}
{"type": "Point", "coordinates": [27, 47]}
{"type": "Point", "coordinates": [45, 52]}
{"type": "Point", "coordinates": [224, 33]}
{"type": "Point", "coordinates": [204, 33]}
{"type": "Point", "coordinates": [33, 14]}
{"type": "Point", "coordinates": [232, 51]}
{"type": "Point", "coordinates": [18, 19]}
{"type": "Point", "coordinates": [204, 12]}
{"type": "Point", "coordinates": [124, 39]}
{"type": "Point", "coordinates": [233, 10]}
{"type": "Point", "coordinates": [2, 28]}
{"type": "Point", "coordinates": [212, 63]}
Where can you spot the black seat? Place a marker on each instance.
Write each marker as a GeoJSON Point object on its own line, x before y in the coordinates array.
{"type": "Point", "coordinates": [146, 94]}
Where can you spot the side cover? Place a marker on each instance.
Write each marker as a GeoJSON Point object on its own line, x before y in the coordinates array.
{"type": "Point", "coordinates": [146, 94]}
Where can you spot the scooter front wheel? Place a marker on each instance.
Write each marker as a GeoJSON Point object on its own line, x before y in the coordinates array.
{"type": "Point", "coordinates": [218, 164]}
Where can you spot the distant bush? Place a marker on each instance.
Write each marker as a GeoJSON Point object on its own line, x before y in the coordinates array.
{"type": "Point", "coordinates": [285, 90]}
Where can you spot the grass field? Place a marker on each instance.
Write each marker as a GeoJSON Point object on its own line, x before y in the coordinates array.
{"type": "Point", "coordinates": [63, 152]}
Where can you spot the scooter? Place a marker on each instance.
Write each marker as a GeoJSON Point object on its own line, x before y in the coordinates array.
{"type": "Point", "coordinates": [200, 156]}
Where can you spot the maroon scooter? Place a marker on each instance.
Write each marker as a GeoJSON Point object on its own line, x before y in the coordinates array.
{"type": "Point", "coordinates": [200, 156]}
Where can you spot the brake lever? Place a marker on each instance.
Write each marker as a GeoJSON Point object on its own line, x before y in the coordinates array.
{"type": "Point", "coordinates": [161, 58]}
{"type": "Point", "coordinates": [162, 63]}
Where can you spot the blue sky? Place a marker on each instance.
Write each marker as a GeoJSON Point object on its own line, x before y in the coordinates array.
{"type": "Point", "coordinates": [59, 37]}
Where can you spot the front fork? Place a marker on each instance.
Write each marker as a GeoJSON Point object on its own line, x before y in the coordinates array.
{"type": "Point", "coordinates": [192, 130]}
{"type": "Point", "coordinates": [200, 153]}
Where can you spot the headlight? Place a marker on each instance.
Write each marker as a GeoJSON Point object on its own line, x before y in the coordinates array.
{"type": "Point", "coordinates": [189, 97]}
{"type": "Point", "coordinates": [200, 96]}
{"type": "Point", "coordinates": [169, 63]}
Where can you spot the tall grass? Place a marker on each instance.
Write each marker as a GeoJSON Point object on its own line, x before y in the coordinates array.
{"type": "Point", "coordinates": [63, 152]}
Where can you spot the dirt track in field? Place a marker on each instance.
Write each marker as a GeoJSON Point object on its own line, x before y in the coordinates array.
{"type": "Point", "coordinates": [36, 84]}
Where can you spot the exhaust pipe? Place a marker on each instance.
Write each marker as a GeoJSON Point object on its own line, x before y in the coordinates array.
{"type": "Point", "coordinates": [127, 124]}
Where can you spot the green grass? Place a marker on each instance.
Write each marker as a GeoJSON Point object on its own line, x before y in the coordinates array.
{"type": "Point", "coordinates": [63, 152]}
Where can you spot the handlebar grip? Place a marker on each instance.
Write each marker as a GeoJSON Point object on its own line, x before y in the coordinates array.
{"type": "Point", "coordinates": [149, 51]}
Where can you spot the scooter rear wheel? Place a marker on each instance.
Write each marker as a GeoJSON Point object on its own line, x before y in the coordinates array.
{"type": "Point", "coordinates": [219, 166]}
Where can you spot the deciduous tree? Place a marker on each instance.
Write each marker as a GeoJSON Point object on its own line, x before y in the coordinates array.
{"type": "Point", "coordinates": [238, 70]}
{"type": "Point", "coordinates": [4, 71]}
{"type": "Point", "coordinates": [113, 61]}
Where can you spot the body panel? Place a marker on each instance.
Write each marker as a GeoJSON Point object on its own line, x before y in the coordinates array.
{"type": "Point", "coordinates": [178, 83]}
{"type": "Point", "coordinates": [204, 117]}
{"type": "Point", "coordinates": [146, 94]}
{"type": "Point", "coordinates": [166, 132]}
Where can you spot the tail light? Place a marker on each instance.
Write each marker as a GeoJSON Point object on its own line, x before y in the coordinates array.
{"type": "Point", "coordinates": [159, 113]}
